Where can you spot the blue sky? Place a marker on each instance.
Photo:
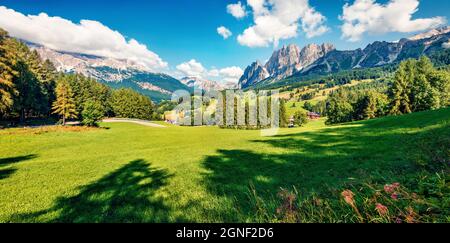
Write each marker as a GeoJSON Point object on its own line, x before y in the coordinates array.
{"type": "Point", "coordinates": [181, 30]}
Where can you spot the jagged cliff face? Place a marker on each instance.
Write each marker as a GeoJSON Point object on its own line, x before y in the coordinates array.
{"type": "Point", "coordinates": [324, 59]}
{"type": "Point", "coordinates": [253, 74]}
{"type": "Point", "coordinates": [284, 63]}
{"type": "Point", "coordinates": [313, 52]}
{"type": "Point", "coordinates": [381, 53]}
{"type": "Point", "coordinates": [291, 59]}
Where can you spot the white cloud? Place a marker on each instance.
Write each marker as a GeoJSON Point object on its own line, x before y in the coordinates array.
{"type": "Point", "coordinates": [87, 37]}
{"type": "Point", "coordinates": [237, 10]}
{"type": "Point", "coordinates": [368, 16]}
{"type": "Point", "coordinates": [276, 20]}
{"type": "Point", "coordinates": [193, 68]}
{"type": "Point", "coordinates": [446, 45]}
{"type": "Point", "coordinates": [224, 32]}
{"type": "Point", "coordinates": [231, 74]}
{"type": "Point", "coordinates": [214, 73]}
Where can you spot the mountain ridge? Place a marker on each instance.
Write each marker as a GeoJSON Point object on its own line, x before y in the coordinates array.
{"type": "Point", "coordinates": [327, 60]}
{"type": "Point", "coordinates": [116, 73]}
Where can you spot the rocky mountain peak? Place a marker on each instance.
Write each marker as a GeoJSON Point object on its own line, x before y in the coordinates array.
{"type": "Point", "coordinates": [312, 52]}
{"type": "Point", "coordinates": [314, 59]}
{"type": "Point", "coordinates": [284, 61]}
{"type": "Point", "coordinates": [253, 74]}
{"type": "Point", "coordinates": [291, 59]}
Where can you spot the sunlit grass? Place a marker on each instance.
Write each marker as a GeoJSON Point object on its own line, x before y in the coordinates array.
{"type": "Point", "coordinates": [133, 173]}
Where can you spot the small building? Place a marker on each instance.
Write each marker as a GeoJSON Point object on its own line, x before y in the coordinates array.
{"type": "Point", "coordinates": [313, 115]}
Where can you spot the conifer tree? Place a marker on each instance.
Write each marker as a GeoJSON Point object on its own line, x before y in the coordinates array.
{"type": "Point", "coordinates": [7, 73]}
{"type": "Point", "coordinates": [400, 91]}
{"type": "Point", "coordinates": [64, 104]}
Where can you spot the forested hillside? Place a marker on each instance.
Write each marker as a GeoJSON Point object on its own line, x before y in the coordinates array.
{"type": "Point", "coordinates": [31, 88]}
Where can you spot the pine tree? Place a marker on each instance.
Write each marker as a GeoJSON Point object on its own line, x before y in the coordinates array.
{"type": "Point", "coordinates": [44, 73]}
{"type": "Point", "coordinates": [64, 104]}
{"type": "Point", "coordinates": [370, 105]}
{"type": "Point", "coordinates": [28, 95]}
{"type": "Point", "coordinates": [29, 98]}
{"type": "Point", "coordinates": [7, 72]}
{"type": "Point", "coordinates": [418, 86]}
{"type": "Point", "coordinates": [400, 90]}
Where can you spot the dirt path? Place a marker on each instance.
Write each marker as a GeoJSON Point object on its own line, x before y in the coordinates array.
{"type": "Point", "coordinates": [136, 121]}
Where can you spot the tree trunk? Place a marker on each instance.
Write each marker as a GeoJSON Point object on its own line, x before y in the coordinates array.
{"type": "Point", "coordinates": [64, 120]}
{"type": "Point", "coordinates": [22, 116]}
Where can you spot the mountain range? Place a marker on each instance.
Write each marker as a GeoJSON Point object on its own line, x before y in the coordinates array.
{"type": "Point", "coordinates": [113, 72]}
{"type": "Point", "coordinates": [288, 62]}
{"type": "Point", "coordinates": [313, 59]}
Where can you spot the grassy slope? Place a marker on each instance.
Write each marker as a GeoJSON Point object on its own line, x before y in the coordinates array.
{"type": "Point", "coordinates": [319, 97]}
{"type": "Point", "coordinates": [132, 173]}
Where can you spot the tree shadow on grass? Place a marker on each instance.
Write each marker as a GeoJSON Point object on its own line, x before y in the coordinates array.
{"type": "Point", "coordinates": [323, 161]}
{"type": "Point", "coordinates": [5, 173]}
{"type": "Point", "coordinates": [4, 162]}
{"type": "Point", "coordinates": [126, 195]}
{"type": "Point", "coordinates": [13, 160]}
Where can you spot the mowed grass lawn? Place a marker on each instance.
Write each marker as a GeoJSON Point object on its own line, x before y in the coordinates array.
{"type": "Point", "coordinates": [133, 173]}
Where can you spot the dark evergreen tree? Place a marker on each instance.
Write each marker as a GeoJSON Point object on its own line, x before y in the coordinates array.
{"type": "Point", "coordinates": [7, 73]}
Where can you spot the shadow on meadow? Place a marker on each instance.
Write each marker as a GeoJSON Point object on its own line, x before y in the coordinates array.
{"type": "Point", "coordinates": [323, 161]}
{"type": "Point", "coordinates": [4, 162]}
{"type": "Point", "coordinates": [126, 195]}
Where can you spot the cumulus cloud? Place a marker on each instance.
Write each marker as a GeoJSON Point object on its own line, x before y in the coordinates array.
{"type": "Point", "coordinates": [229, 74]}
{"type": "Point", "coordinates": [276, 20]}
{"type": "Point", "coordinates": [87, 37]}
{"type": "Point", "coordinates": [194, 68]}
{"type": "Point", "coordinates": [368, 16]}
{"type": "Point", "coordinates": [224, 32]}
{"type": "Point", "coordinates": [446, 45]}
{"type": "Point", "coordinates": [191, 68]}
{"type": "Point", "coordinates": [237, 10]}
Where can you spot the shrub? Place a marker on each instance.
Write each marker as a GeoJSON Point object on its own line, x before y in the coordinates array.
{"type": "Point", "coordinates": [300, 118]}
{"type": "Point", "coordinates": [92, 113]}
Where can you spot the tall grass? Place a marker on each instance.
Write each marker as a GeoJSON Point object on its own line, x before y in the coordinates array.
{"type": "Point", "coordinates": [367, 203]}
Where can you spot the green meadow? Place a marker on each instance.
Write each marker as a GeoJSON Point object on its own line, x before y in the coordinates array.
{"type": "Point", "coordinates": [132, 173]}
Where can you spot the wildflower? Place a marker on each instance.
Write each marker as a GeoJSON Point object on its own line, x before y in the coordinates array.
{"type": "Point", "coordinates": [348, 197]}
{"type": "Point", "coordinates": [410, 218]}
{"type": "Point", "coordinates": [388, 189]}
{"type": "Point", "coordinates": [394, 196]}
{"type": "Point", "coordinates": [391, 188]}
{"type": "Point", "coordinates": [381, 209]}
{"type": "Point", "coordinates": [398, 220]}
